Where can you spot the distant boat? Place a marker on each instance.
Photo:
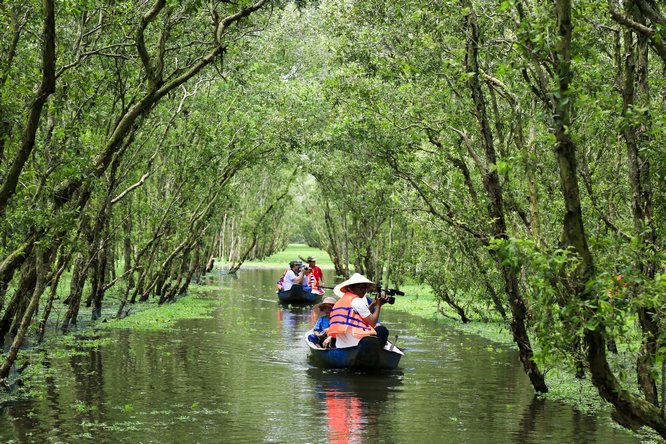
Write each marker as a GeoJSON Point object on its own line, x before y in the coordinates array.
{"type": "Point", "coordinates": [298, 295]}
{"type": "Point", "coordinates": [368, 354]}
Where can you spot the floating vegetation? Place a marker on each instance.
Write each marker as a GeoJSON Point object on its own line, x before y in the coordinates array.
{"type": "Point", "coordinates": [124, 426]}
{"type": "Point", "coordinates": [164, 317]}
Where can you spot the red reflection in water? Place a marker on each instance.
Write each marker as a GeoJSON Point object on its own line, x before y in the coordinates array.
{"type": "Point", "coordinates": [344, 416]}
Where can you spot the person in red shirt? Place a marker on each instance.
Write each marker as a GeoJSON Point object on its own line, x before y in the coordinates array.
{"type": "Point", "coordinates": [316, 271]}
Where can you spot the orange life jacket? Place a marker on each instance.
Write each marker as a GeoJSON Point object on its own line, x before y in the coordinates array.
{"type": "Point", "coordinates": [344, 319]}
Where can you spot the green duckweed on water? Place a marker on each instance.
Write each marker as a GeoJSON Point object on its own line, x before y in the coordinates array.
{"type": "Point", "coordinates": [152, 317]}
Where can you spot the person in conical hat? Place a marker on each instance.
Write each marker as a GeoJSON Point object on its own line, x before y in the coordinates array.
{"type": "Point", "coordinates": [357, 280]}
{"type": "Point", "coordinates": [352, 318]}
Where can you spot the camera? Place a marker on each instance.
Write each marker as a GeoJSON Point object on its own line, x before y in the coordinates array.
{"type": "Point", "coordinates": [390, 293]}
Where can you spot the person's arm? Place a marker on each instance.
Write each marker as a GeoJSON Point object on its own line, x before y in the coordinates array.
{"type": "Point", "coordinates": [317, 328]}
{"type": "Point", "coordinates": [373, 317]}
{"type": "Point", "coordinates": [299, 279]}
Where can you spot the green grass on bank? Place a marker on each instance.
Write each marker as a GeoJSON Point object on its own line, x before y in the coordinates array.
{"type": "Point", "coordinates": [292, 252]}
{"type": "Point", "coordinates": [419, 300]}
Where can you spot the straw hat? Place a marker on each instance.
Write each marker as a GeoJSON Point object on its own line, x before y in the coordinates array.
{"type": "Point", "coordinates": [327, 301]}
{"type": "Point", "coordinates": [356, 278]}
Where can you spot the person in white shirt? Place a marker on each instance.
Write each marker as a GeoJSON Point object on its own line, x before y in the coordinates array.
{"type": "Point", "coordinates": [352, 318]}
{"type": "Point", "coordinates": [292, 276]}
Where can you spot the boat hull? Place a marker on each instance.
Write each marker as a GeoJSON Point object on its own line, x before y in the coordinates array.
{"type": "Point", "coordinates": [367, 355]}
{"type": "Point", "coordinates": [297, 295]}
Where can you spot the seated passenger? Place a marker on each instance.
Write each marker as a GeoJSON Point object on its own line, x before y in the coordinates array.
{"type": "Point", "coordinates": [316, 270]}
{"type": "Point", "coordinates": [323, 312]}
{"type": "Point", "coordinates": [294, 275]}
{"type": "Point", "coordinates": [310, 281]}
{"type": "Point", "coordinates": [352, 318]}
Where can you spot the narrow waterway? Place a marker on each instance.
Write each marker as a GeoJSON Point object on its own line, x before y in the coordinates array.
{"type": "Point", "coordinates": [243, 377]}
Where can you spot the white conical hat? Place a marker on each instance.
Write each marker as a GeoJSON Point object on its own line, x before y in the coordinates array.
{"type": "Point", "coordinates": [356, 278]}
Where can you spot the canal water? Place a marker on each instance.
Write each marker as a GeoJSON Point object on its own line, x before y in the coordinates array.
{"type": "Point", "coordinates": [243, 377]}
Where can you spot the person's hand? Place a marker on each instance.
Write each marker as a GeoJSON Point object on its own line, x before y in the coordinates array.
{"type": "Point", "coordinates": [381, 298]}
{"type": "Point", "coordinates": [327, 342]}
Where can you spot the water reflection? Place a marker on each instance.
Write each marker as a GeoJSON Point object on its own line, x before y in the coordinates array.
{"type": "Point", "coordinates": [293, 319]}
{"type": "Point", "coordinates": [352, 403]}
{"type": "Point", "coordinates": [580, 427]}
{"type": "Point", "coordinates": [88, 371]}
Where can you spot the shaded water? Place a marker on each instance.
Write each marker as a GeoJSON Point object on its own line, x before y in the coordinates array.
{"type": "Point", "coordinates": [243, 376]}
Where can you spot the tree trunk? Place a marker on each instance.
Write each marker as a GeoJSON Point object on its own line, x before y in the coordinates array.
{"type": "Point", "coordinates": [102, 254]}
{"type": "Point", "coordinates": [14, 312]}
{"type": "Point", "coordinates": [60, 268]}
{"type": "Point", "coordinates": [13, 262]}
{"type": "Point", "coordinates": [194, 267]}
{"type": "Point", "coordinates": [633, 407]}
{"type": "Point", "coordinates": [41, 271]}
{"type": "Point", "coordinates": [444, 295]}
{"type": "Point", "coordinates": [635, 95]}
{"type": "Point", "coordinates": [127, 245]}
{"type": "Point", "coordinates": [345, 246]}
{"type": "Point", "coordinates": [75, 292]}
{"type": "Point", "coordinates": [333, 243]}
{"type": "Point", "coordinates": [493, 189]}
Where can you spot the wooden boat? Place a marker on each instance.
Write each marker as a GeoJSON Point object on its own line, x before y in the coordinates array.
{"type": "Point", "coordinates": [368, 354]}
{"type": "Point", "coordinates": [298, 295]}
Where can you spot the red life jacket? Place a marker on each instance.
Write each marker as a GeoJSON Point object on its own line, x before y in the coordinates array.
{"type": "Point", "coordinates": [344, 319]}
